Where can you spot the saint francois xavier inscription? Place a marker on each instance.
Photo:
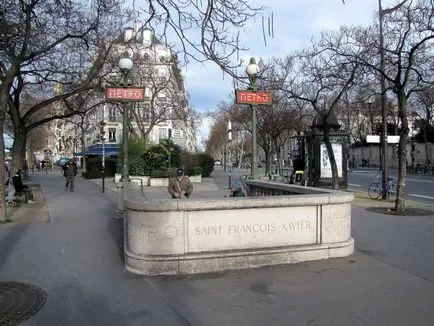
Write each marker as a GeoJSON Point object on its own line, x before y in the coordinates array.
{"type": "Point", "coordinates": [252, 228]}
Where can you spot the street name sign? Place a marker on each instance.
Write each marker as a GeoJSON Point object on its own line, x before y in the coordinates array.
{"type": "Point", "coordinates": [249, 97]}
{"type": "Point", "coordinates": [130, 94]}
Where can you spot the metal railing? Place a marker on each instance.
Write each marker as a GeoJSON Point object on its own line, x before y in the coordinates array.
{"type": "Point", "coordinates": [141, 183]}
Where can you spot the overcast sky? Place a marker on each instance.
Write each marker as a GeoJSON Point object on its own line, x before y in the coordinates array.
{"type": "Point", "coordinates": [295, 23]}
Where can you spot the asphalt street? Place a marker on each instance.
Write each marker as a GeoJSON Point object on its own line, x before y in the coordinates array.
{"type": "Point", "coordinates": [419, 187]}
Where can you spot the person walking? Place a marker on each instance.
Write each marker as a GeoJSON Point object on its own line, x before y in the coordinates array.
{"type": "Point", "coordinates": [70, 173]}
{"type": "Point", "coordinates": [180, 185]}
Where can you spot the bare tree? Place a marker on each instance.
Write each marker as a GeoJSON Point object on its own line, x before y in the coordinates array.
{"type": "Point", "coordinates": [321, 80]}
{"type": "Point", "coordinates": [408, 33]}
{"type": "Point", "coordinates": [423, 107]}
{"type": "Point", "coordinates": [45, 43]}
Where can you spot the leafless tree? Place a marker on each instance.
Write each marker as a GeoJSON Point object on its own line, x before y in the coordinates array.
{"type": "Point", "coordinates": [45, 43]}
{"type": "Point", "coordinates": [423, 107]}
{"type": "Point", "coordinates": [408, 33]}
{"type": "Point", "coordinates": [321, 79]}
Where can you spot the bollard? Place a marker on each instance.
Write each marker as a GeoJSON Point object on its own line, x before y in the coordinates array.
{"type": "Point", "coordinates": [121, 204]}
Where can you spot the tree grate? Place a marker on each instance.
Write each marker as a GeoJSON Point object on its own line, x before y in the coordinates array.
{"type": "Point", "coordinates": [19, 302]}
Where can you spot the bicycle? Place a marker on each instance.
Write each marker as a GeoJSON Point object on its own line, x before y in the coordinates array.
{"type": "Point", "coordinates": [375, 189]}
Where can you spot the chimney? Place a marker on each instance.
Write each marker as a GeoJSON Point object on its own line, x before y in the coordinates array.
{"type": "Point", "coordinates": [147, 37]}
{"type": "Point", "coordinates": [128, 34]}
{"type": "Point", "coordinates": [137, 27]}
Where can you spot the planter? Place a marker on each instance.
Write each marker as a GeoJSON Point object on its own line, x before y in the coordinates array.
{"type": "Point", "coordinates": [158, 182]}
{"type": "Point", "coordinates": [196, 178]}
{"type": "Point", "coordinates": [139, 179]}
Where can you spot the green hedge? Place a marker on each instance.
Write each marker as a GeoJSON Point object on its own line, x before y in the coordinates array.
{"type": "Point", "coordinates": [136, 167]}
{"type": "Point", "coordinates": [206, 162]}
{"type": "Point", "coordinates": [159, 174]}
{"type": "Point", "coordinates": [93, 168]}
{"type": "Point", "coordinates": [193, 170]}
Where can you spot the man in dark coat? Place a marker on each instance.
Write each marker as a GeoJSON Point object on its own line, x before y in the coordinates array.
{"type": "Point", "coordinates": [70, 173]}
{"type": "Point", "coordinates": [20, 187]}
{"type": "Point", "coordinates": [180, 185]}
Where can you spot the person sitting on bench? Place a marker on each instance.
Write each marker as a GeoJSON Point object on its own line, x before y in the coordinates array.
{"type": "Point", "coordinates": [20, 187]}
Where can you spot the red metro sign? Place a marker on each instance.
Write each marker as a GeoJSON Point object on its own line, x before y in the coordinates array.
{"type": "Point", "coordinates": [130, 94]}
{"type": "Point", "coordinates": [249, 97]}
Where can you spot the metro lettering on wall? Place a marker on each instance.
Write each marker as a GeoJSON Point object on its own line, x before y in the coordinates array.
{"type": "Point", "coordinates": [249, 97]}
{"type": "Point", "coordinates": [131, 94]}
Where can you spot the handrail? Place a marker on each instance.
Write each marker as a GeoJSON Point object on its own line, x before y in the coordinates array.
{"type": "Point", "coordinates": [141, 183]}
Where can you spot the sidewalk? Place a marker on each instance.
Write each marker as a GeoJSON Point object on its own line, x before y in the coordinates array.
{"type": "Point", "coordinates": [77, 259]}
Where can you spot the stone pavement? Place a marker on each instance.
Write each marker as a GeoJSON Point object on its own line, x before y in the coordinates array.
{"type": "Point", "coordinates": [77, 259]}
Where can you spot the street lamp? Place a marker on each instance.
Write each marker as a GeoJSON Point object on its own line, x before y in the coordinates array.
{"type": "Point", "coordinates": [229, 152]}
{"type": "Point", "coordinates": [252, 71]}
{"type": "Point", "coordinates": [102, 135]}
{"type": "Point", "coordinates": [125, 65]}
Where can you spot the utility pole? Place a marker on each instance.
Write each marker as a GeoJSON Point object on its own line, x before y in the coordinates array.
{"type": "Point", "coordinates": [383, 106]}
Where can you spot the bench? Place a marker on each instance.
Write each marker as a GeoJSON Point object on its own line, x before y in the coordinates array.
{"type": "Point", "coordinates": [13, 197]}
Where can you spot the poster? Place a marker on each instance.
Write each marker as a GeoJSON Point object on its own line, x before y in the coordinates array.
{"type": "Point", "coordinates": [325, 166]}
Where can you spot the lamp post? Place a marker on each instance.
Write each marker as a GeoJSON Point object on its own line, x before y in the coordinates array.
{"type": "Point", "coordinates": [170, 150]}
{"type": "Point", "coordinates": [125, 65]}
{"type": "Point", "coordinates": [252, 71]}
{"type": "Point", "coordinates": [383, 105]}
{"type": "Point", "coordinates": [102, 134]}
{"type": "Point", "coordinates": [229, 153]}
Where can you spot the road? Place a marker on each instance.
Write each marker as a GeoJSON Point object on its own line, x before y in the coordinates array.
{"type": "Point", "coordinates": [419, 187]}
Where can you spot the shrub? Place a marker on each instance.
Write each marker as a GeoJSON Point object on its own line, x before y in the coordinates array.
{"type": "Point", "coordinates": [206, 162]}
{"type": "Point", "coordinates": [136, 166]}
{"type": "Point", "coordinates": [188, 159]}
{"type": "Point", "coordinates": [193, 170]}
{"type": "Point", "coordinates": [159, 174]}
{"type": "Point", "coordinates": [94, 165]}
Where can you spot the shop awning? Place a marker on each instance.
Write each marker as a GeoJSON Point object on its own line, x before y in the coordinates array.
{"type": "Point", "coordinates": [109, 150]}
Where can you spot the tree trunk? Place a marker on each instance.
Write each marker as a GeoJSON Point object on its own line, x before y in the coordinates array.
{"type": "Point", "coordinates": [427, 157]}
{"type": "Point", "coordinates": [83, 148]}
{"type": "Point", "coordinates": [241, 155]}
{"type": "Point", "coordinates": [278, 151]}
{"type": "Point", "coordinates": [331, 154]}
{"type": "Point", "coordinates": [402, 154]}
{"type": "Point", "coordinates": [19, 149]}
{"type": "Point", "coordinates": [2, 170]}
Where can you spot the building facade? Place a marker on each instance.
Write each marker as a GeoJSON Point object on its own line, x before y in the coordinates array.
{"type": "Point", "coordinates": [165, 111]}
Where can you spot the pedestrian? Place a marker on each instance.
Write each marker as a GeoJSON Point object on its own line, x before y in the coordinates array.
{"type": "Point", "coordinates": [7, 176]}
{"type": "Point", "coordinates": [20, 187]}
{"type": "Point", "coordinates": [70, 173]}
{"type": "Point", "coordinates": [237, 190]}
{"type": "Point", "coordinates": [180, 185]}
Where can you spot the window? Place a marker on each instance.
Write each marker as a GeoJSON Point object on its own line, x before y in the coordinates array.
{"type": "Point", "coordinates": [112, 114]}
{"type": "Point", "coordinates": [162, 133]}
{"type": "Point", "coordinates": [112, 135]}
{"type": "Point", "coordinates": [146, 115]}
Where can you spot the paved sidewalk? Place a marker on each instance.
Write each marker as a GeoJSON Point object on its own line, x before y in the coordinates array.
{"type": "Point", "coordinates": [77, 259]}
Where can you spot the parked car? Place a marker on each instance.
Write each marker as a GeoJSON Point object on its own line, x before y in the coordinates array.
{"type": "Point", "coordinates": [217, 162]}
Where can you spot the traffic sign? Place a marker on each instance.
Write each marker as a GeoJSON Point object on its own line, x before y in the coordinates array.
{"type": "Point", "coordinates": [249, 97]}
{"type": "Point", "coordinates": [130, 94]}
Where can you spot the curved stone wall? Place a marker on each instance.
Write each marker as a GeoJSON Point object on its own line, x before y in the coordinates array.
{"type": "Point", "coordinates": [196, 236]}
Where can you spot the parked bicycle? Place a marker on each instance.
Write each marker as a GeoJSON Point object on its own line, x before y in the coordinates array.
{"type": "Point", "coordinates": [375, 189]}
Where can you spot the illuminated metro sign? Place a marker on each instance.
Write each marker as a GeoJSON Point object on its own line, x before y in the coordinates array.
{"type": "Point", "coordinates": [249, 97]}
{"type": "Point", "coordinates": [131, 94]}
